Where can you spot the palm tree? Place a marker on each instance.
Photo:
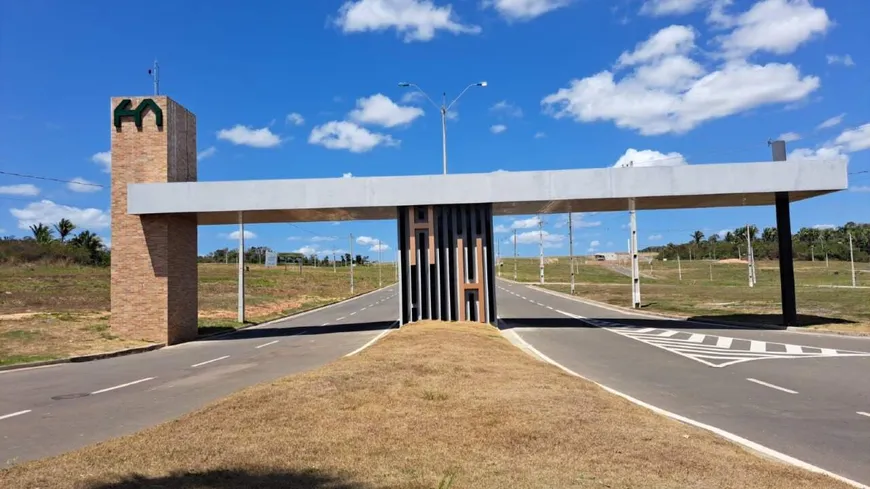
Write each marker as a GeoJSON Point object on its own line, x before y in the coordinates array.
{"type": "Point", "coordinates": [41, 233]}
{"type": "Point", "coordinates": [769, 235]}
{"type": "Point", "coordinates": [88, 241]}
{"type": "Point", "coordinates": [697, 236]}
{"type": "Point", "coordinates": [64, 227]}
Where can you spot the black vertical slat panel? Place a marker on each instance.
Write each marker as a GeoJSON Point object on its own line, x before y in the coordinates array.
{"type": "Point", "coordinates": [405, 294]}
{"type": "Point", "coordinates": [441, 237]}
{"type": "Point", "coordinates": [455, 300]}
{"type": "Point", "coordinates": [423, 264]}
{"type": "Point", "coordinates": [469, 242]}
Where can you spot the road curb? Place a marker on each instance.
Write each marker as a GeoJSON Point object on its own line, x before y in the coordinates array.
{"type": "Point", "coordinates": [143, 349]}
{"type": "Point", "coordinates": [84, 358]}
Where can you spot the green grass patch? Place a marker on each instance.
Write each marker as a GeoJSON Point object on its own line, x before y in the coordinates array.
{"type": "Point", "coordinates": [16, 359]}
{"type": "Point", "coordinates": [21, 335]}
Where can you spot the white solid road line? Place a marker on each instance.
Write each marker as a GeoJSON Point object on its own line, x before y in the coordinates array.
{"type": "Point", "coordinates": [719, 431]}
{"type": "Point", "coordinates": [123, 385]}
{"type": "Point", "coordinates": [862, 413]}
{"type": "Point", "coordinates": [209, 361]}
{"type": "Point", "coordinates": [341, 318]}
{"type": "Point", "coordinates": [771, 386]}
{"type": "Point", "coordinates": [372, 341]}
{"type": "Point", "coordinates": [267, 344]}
{"type": "Point", "coordinates": [12, 415]}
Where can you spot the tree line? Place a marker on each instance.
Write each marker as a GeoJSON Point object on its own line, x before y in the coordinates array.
{"type": "Point", "coordinates": [807, 244]}
{"type": "Point", "coordinates": [55, 243]}
{"type": "Point", "coordinates": [257, 254]}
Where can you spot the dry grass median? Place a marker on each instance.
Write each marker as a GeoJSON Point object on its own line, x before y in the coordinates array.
{"type": "Point", "coordinates": [427, 402]}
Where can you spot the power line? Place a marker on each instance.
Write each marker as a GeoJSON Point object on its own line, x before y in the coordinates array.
{"type": "Point", "coordinates": [21, 175]}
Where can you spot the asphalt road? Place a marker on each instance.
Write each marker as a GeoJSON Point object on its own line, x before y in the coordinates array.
{"type": "Point", "coordinates": [804, 395]}
{"type": "Point", "coordinates": [51, 410]}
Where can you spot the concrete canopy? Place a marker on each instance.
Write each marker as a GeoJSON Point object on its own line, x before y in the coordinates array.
{"type": "Point", "coordinates": [511, 193]}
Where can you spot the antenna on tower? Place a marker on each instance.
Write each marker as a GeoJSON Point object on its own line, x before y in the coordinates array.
{"type": "Point", "coordinates": [156, 77]}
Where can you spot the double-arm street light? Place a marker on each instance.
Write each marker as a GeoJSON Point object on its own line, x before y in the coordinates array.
{"type": "Point", "coordinates": [443, 108]}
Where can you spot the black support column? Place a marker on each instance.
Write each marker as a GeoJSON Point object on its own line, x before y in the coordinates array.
{"type": "Point", "coordinates": [786, 255]}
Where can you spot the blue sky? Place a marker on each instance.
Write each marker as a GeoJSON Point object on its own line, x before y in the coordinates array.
{"type": "Point", "coordinates": [309, 89]}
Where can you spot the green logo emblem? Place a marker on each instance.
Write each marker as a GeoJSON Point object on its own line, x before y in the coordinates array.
{"type": "Point", "coordinates": [123, 110]}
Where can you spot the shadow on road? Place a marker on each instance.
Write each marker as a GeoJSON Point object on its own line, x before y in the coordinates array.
{"type": "Point", "coordinates": [233, 478]}
{"type": "Point", "coordinates": [771, 319]}
{"type": "Point", "coordinates": [277, 332]}
{"type": "Point", "coordinates": [622, 322]}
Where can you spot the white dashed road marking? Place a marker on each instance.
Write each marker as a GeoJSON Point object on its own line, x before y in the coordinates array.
{"type": "Point", "coordinates": [19, 413]}
{"type": "Point", "coordinates": [267, 344]}
{"type": "Point", "coordinates": [209, 361]}
{"type": "Point", "coordinates": [772, 386]}
{"type": "Point", "coordinates": [862, 413]}
{"type": "Point", "coordinates": [122, 385]}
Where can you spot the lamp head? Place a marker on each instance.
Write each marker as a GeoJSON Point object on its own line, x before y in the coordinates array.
{"type": "Point", "coordinates": [404, 84]}
{"type": "Point", "coordinates": [482, 84]}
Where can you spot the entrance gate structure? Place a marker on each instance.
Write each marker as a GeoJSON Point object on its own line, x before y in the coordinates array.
{"type": "Point", "coordinates": [444, 222]}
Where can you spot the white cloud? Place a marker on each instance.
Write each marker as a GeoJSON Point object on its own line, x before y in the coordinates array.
{"type": "Point", "coordinates": [453, 115]}
{"type": "Point", "coordinates": [655, 237]}
{"type": "Point", "coordinates": [294, 238]}
{"type": "Point", "coordinates": [826, 153]}
{"type": "Point", "coordinates": [789, 136]}
{"type": "Point", "coordinates": [23, 189]}
{"type": "Point", "coordinates": [379, 109]}
{"type": "Point", "coordinates": [248, 136]}
{"type": "Point", "coordinates": [46, 212]}
{"type": "Point", "coordinates": [347, 175]}
{"type": "Point", "coordinates": [531, 222]}
{"type": "Point", "coordinates": [578, 221]}
{"type": "Point", "coordinates": [672, 40]}
{"type": "Point", "coordinates": [594, 244]}
{"type": "Point", "coordinates": [317, 239]}
{"type": "Point", "coordinates": [506, 108]}
{"type": "Point", "coordinates": [366, 240]}
{"type": "Point", "coordinates": [721, 234]}
{"type": "Point", "coordinates": [103, 158]}
{"type": "Point", "coordinates": [856, 139]}
{"type": "Point", "coordinates": [413, 97]}
{"type": "Point", "coordinates": [498, 129]}
{"type": "Point", "coordinates": [824, 226]}
{"type": "Point", "coordinates": [415, 20]}
{"type": "Point", "coordinates": [235, 235]}
{"type": "Point", "coordinates": [500, 229]}
{"type": "Point", "coordinates": [381, 247]}
{"type": "Point", "coordinates": [854, 188]}
{"type": "Point", "coordinates": [307, 250]}
{"type": "Point", "coordinates": [79, 184]}
{"type": "Point", "coordinates": [845, 60]}
{"type": "Point", "coordinates": [774, 26]}
{"type": "Point", "coordinates": [540, 135]}
{"type": "Point", "coordinates": [525, 9]}
{"type": "Point", "coordinates": [295, 118]}
{"type": "Point", "coordinates": [648, 157]}
{"type": "Point", "coordinates": [534, 237]}
{"type": "Point", "coordinates": [349, 136]}
{"type": "Point", "coordinates": [667, 92]}
{"type": "Point", "coordinates": [670, 7]}
{"type": "Point", "coordinates": [833, 121]}
{"type": "Point", "coordinates": [206, 153]}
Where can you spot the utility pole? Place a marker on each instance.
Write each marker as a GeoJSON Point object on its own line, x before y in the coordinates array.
{"type": "Point", "coordinates": [241, 267]}
{"type": "Point", "coordinates": [380, 284]}
{"type": "Point", "coordinates": [541, 246]}
{"type": "Point", "coordinates": [680, 267]}
{"type": "Point", "coordinates": [852, 259]}
{"type": "Point", "coordinates": [750, 258]}
{"type": "Point", "coordinates": [351, 263]}
{"type": "Point", "coordinates": [813, 253]}
{"type": "Point", "coordinates": [334, 269]}
{"type": "Point", "coordinates": [515, 255]}
{"type": "Point", "coordinates": [635, 269]}
{"type": "Point", "coordinates": [571, 249]}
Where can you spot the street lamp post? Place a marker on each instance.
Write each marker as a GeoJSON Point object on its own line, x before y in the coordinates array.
{"type": "Point", "coordinates": [444, 108]}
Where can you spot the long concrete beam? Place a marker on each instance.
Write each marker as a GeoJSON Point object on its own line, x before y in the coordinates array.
{"type": "Point", "coordinates": [526, 192]}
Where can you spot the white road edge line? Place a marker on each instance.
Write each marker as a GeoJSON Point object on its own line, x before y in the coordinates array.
{"type": "Point", "coordinates": [373, 340]}
{"type": "Point", "coordinates": [719, 431]}
{"type": "Point", "coordinates": [341, 318]}
{"type": "Point", "coordinates": [146, 379]}
{"type": "Point", "coordinates": [209, 361]}
{"type": "Point", "coordinates": [267, 344]}
{"type": "Point", "coordinates": [12, 415]}
{"type": "Point", "coordinates": [759, 382]}
{"type": "Point", "coordinates": [862, 413]}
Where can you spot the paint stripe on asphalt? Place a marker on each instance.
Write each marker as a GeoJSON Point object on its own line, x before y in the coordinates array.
{"type": "Point", "coordinates": [210, 361]}
{"type": "Point", "coordinates": [862, 413]}
{"type": "Point", "coordinates": [759, 382]}
{"type": "Point", "coordinates": [122, 385]}
{"type": "Point", "coordinates": [267, 344]}
{"type": "Point", "coordinates": [12, 415]}
{"type": "Point", "coordinates": [719, 431]}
